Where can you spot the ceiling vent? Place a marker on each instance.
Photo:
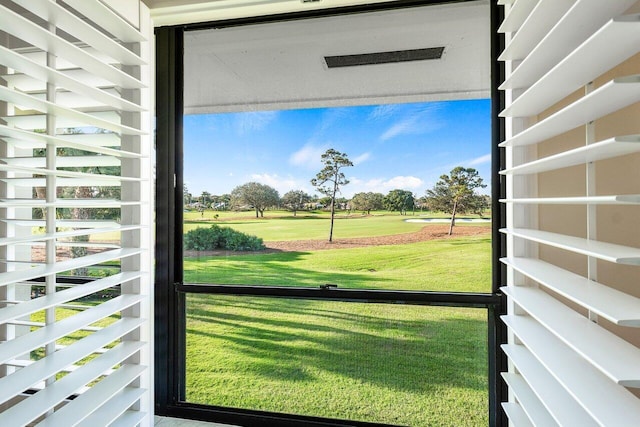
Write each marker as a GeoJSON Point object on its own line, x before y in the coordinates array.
{"type": "Point", "coordinates": [384, 57]}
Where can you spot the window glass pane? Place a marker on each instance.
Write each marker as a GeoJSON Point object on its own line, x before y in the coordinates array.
{"type": "Point", "coordinates": [397, 364]}
{"type": "Point", "coordinates": [258, 207]}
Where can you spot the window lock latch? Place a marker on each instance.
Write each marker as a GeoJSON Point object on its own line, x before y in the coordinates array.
{"type": "Point", "coordinates": [328, 286]}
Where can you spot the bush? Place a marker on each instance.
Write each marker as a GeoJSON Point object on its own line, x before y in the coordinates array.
{"type": "Point", "coordinates": [216, 237]}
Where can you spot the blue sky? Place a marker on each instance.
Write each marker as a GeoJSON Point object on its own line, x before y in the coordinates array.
{"type": "Point", "coordinates": [405, 146]}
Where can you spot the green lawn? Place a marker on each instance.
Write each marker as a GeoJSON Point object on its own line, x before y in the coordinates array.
{"type": "Point", "coordinates": [282, 225]}
{"type": "Point", "coordinates": [455, 265]}
{"type": "Point", "coordinates": [387, 363]}
{"type": "Point", "coordinates": [406, 365]}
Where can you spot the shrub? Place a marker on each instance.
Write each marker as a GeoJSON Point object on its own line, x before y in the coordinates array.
{"type": "Point", "coordinates": [216, 237]}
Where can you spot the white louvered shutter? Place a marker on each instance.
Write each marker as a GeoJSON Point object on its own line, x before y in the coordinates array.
{"type": "Point", "coordinates": [572, 147]}
{"type": "Point", "coordinates": [75, 214]}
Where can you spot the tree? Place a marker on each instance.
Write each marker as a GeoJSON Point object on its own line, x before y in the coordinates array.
{"type": "Point", "coordinates": [367, 202]}
{"type": "Point", "coordinates": [186, 196]}
{"type": "Point", "coordinates": [205, 199]}
{"type": "Point", "coordinates": [256, 195]}
{"type": "Point", "coordinates": [455, 193]}
{"type": "Point", "coordinates": [329, 180]}
{"type": "Point", "coordinates": [295, 200]}
{"type": "Point", "coordinates": [399, 200]}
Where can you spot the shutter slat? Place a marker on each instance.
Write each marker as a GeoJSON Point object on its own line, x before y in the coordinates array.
{"type": "Point", "coordinates": [30, 409]}
{"type": "Point", "coordinates": [75, 26]}
{"type": "Point", "coordinates": [39, 370]}
{"type": "Point", "coordinates": [517, 15]}
{"type": "Point", "coordinates": [612, 147]}
{"type": "Point", "coordinates": [560, 404]}
{"type": "Point", "coordinates": [116, 407]}
{"type": "Point", "coordinates": [32, 33]}
{"type": "Point", "coordinates": [577, 25]}
{"type": "Point", "coordinates": [608, 403]}
{"type": "Point", "coordinates": [27, 83]}
{"type": "Point", "coordinates": [128, 418]}
{"type": "Point", "coordinates": [26, 343]}
{"type": "Point", "coordinates": [62, 182]}
{"type": "Point", "coordinates": [606, 251]}
{"type": "Point", "coordinates": [612, 44]}
{"type": "Point", "coordinates": [608, 98]}
{"type": "Point", "coordinates": [620, 199]}
{"type": "Point", "coordinates": [63, 161]}
{"type": "Point", "coordinates": [94, 142]}
{"type": "Point", "coordinates": [82, 407]}
{"type": "Point", "coordinates": [533, 411]}
{"type": "Point", "coordinates": [615, 306]}
{"type": "Point", "coordinates": [81, 176]}
{"type": "Point", "coordinates": [61, 297]}
{"type": "Point", "coordinates": [35, 272]}
{"type": "Point", "coordinates": [537, 24]}
{"type": "Point", "coordinates": [42, 74]}
{"type": "Point", "coordinates": [613, 356]}
{"type": "Point", "coordinates": [111, 228]}
{"type": "Point", "coordinates": [516, 415]}
{"type": "Point", "coordinates": [67, 203]}
{"type": "Point", "coordinates": [84, 119]}
{"type": "Point", "coordinates": [107, 19]}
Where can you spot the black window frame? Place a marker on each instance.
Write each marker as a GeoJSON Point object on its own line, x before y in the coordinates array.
{"type": "Point", "coordinates": [170, 291]}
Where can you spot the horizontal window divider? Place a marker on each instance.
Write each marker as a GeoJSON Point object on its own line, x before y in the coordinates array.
{"type": "Point", "coordinates": [54, 331]}
{"type": "Point", "coordinates": [610, 97]}
{"type": "Point", "coordinates": [609, 303]}
{"type": "Point", "coordinates": [11, 277]}
{"type": "Point", "coordinates": [46, 75]}
{"type": "Point", "coordinates": [77, 27]}
{"type": "Point", "coordinates": [61, 297]}
{"type": "Point", "coordinates": [111, 394]}
{"type": "Point", "coordinates": [517, 415]}
{"type": "Point", "coordinates": [108, 20]}
{"type": "Point", "coordinates": [41, 140]}
{"type": "Point", "coordinates": [564, 409]}
{"type": "Point", "coordinates": [57, 392]}
{"type": "Point", "coordinates": [610, 45]}
{"type": "Point", "coordinates": [612, 147]}
{"type": "Point", "coordinates": [579, 23]}
{"type": "Point", "coordinates": [449, 299]}
{"type": "Point", "coordinates": [112, 226]}
{"type": "Point", "coordinates": [541, 19]}
{"type": "Point", "coordinates": [533, 409]}
{"type": "Point", "coordinates": [608, 403]}
{"type": "Point", "coordinates": [517, 15]}
{"type": "Point", "coordinates": [610, 252]}
{"type": "Point", "coordinates": [39, 37]}
{"type": "Point", "coordinates": [619, 199]}
{"type": "Point", "coordinates": [31, 102]}
{"type": "Point", "coordinates": [614, 357]}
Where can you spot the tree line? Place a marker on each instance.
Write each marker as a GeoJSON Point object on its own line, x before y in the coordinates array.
{"type": "Point", "coordinates": [454, 194]}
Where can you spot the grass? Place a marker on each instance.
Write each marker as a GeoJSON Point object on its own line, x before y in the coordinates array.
{"type": "Point", "coordinates": [282, 225]}
{"type": "Point", "coordinates": [453, 265]}
{"type": "Point", "coordinates": [406, 365]}
{"type": "Point", "coordinates": [395, 364]}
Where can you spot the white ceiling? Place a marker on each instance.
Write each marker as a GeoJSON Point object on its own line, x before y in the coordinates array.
{"type": "Point", "coordinates": [281, 66]}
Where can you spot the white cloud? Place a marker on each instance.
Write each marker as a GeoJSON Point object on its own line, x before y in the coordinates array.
{"type": "Point", "coordinates": [479, 160]}
{"type": "Point", "coordinates": [362, 158]}
{"type": "Point", "coordinates": [254, 120]}
{"type": "Point", "coordinates": [308, 156]}
{"type": "Point", "coordinates": [416, 122]}
{"type": "Point", "coordinates": [384, 111]}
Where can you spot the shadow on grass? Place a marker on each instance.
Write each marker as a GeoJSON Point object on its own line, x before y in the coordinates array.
{"type": "Point", "coordinates": [295, 341]}
{"type": "Point", "coordinates": [272, 269]}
